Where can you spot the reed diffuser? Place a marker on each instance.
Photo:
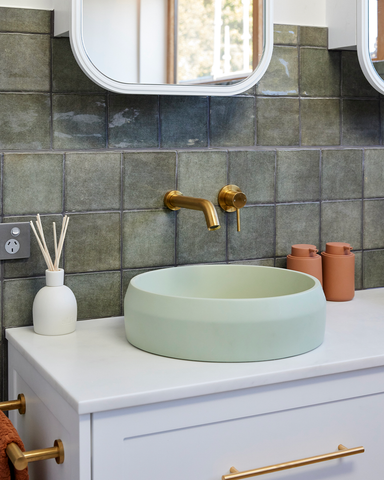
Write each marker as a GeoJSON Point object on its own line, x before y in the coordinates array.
{"type": "Point", "coordinates": [54, 309]}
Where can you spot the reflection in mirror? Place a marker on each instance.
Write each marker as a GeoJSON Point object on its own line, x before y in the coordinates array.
{"type": "Point", "coordinates": [376, 34]}
{"type": "Point", "coordinates": [175, 47]}
{"type": "Point", "coordinates": [216, 40]}
{"type": "Point", "coordinates": [175, 41]}
{"type": "Point", "coordinates": [370, 41]}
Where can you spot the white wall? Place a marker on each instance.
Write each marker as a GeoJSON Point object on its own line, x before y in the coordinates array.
{"type": "Point", "coordinates": [300, 12]}
{"type": "Point", "coordinates": [291, 12]}
{"type": "Point", "coordinates": [34, 4]}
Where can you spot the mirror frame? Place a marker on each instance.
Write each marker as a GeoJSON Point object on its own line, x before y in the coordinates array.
{"type": "Point", "coordinates": [82, 58]}
{"type": "Point", "coordinates": [362, 31]}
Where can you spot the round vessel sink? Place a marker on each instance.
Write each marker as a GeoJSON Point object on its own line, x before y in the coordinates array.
{"type": "Point", "coordinates": [225, 313]}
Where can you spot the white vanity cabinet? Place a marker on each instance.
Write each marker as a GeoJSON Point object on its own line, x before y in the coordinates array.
{"type": "Point", "coordinates": [126, 414]}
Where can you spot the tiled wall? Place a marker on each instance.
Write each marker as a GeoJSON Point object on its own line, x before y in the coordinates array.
{"type": "Point", "coordinates": [304, 145]}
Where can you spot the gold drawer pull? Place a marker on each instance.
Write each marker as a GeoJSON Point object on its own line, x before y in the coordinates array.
{"type": "Point", "coordinates": [18, 404]}
{"type": "Point", "coordinates": [21, 459]}
{"type": "Point", "coordinates": [343, 452]}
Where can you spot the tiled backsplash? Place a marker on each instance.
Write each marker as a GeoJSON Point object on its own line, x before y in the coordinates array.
{"type": "Point", "coordinates": [304, 145]}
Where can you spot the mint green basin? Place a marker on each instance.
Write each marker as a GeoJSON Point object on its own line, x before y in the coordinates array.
{"type": "Point", "coordinates": [225, 313]}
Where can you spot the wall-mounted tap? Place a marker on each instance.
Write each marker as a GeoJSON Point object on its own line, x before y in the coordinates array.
{"type": "Point", "coordinates": [231, 199]}
{"type": "Point", "coordinates": [175, 200]}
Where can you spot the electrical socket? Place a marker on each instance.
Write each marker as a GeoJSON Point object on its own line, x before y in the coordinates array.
{"type": "Point", "coordinates": [15, 240]}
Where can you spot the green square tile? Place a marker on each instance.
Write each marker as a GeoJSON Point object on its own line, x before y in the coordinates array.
{"type": "Point", "coordinates": [354, 82]}
{"type": "Point", "coordinates": [374, 173]}
{"type": "Point", "coordinates": [25, 20]}
{"type": "Point", "coordinates": [282, 75]}
{"type": "Point", "coordinates": [297, 223]}
{"type": "Point", "coordinates": [98, 295]}
{"type": "Point", "coordinates": [373, 270]}
{"type": "Point", "coordinates": [133, 121]}
{"type": "Point", "coordinates": [33, 183]}
{"type": "Point", "coordinates": [254, 172]}
{"type": "Point", "coordinates": [320, 72]}
{"type": "Point", "coordinates": [263, 262]}
{"type": "Point", "coordinates": [320, 122]}
{"type": "Point", "coordinates": [373, 224]}
{"type": "Point", "coordinates": [382, 118]}
{"type": "Point", "coordinates": [25, 121]}
{"type": "Point", "coordinates": [278, 121]}
{"type": "Point", "coordinates": [202, 174]}
{"type": "Point", "coordinates": [256, 238]}
{"type": "Point", "coordinates": [195, 243]}
{"type": "Point", "coordinates": [147, 177]}
{"type": "Point", "coordinates": [79, 121]}
{"type": "Point", "coordinates": [92, 181]}
{"type": "Point", "coordinates": [285, 34]}
{"type": "Point", "coordinates": [25, 62]}
{"type": "Point", "coordinates": [35, 264]}
{"type": "Point", "coordinates": [92, 242]}
{"type": "Point", "coordinates": [341, 222]}
{"type": "Point", "coordinates": [341, 174]}
{"type": "Point", "coordinates": [297, 175]}
{"type": "Point", "coordinates": [314, 36]}
{"type": "Point", "coordinates": [18, 300]}
{"type": "Point", "coordinates": [148, 238]}
{"type": "Point", "coordinates": [358, 270]}
{"type": "Point", "coordinates": [232, 121]}
{"type": "Point", "coordinates": [281, 262]}
{"type": "Point", "coordinates": [67, 76]}
{"type": "Point", "coordinates": [184, 121]}
{"type": "Point", "coordinates": [361, 122]}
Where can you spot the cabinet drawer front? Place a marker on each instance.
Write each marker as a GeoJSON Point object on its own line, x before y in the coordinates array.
{"type": "Point", "coordinates": [206, 452]}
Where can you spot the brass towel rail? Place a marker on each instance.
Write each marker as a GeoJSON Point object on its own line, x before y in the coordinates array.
{"type": "Point", "coordinates": [18, 404]}
{"type": "Point", "coordinates": [342, 452]}
{"type": "Point", "coordinates": [21, 459]}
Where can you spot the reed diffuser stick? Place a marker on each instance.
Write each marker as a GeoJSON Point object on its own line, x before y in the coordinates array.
{"type": "Point", "coordinates": [39, 233]}
{"type": "Point", "coordinates": [40, 245]}
{"type": "Point", "coordinates": [61, 241]}
{"type": "Point", "coordinates": [55, 238]}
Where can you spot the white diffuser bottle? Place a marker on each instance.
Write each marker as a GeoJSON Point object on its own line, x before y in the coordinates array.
{"type": "Point", "coordinates": [54, 308]}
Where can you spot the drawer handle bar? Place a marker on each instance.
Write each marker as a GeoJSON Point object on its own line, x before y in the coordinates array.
{"type": "Point", "coordinates": [21, 459]}
{"type": "Point", "coordinates": [343, 452]}
{"type": "Point", "coordinates": [18, 404]}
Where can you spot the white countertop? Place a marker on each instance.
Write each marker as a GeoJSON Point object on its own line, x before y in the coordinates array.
{"type": "Point", "coordinates": [96, 369]}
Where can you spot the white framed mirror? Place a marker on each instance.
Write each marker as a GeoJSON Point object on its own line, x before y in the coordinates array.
{"type": "Point", "coordinates": [370, 41]}
{"type": "Point", "coordinates": [173, 47]}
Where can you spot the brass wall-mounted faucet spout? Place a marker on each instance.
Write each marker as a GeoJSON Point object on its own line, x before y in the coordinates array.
{"type": "Point", "coordinates": [176, 200]}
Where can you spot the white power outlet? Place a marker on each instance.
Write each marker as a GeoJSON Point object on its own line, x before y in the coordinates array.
{"type": "Point", "coordinates": [15, 240]}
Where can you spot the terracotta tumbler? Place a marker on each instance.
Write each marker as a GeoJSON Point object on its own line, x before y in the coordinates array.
{"type": "Point", "coordinates": [304, 259]}
{"type": "Point", "coordinates": [338, 272]}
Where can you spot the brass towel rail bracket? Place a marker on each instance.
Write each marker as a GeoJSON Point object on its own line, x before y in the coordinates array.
{"type": "Point", "coordinates": [18, 404]}
{"type": "Point", "coordinates": [342, 452]}
{"type": "Point", "coordinates": [21, 459]}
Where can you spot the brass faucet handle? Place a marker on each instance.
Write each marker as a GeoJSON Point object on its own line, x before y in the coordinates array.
{"type": "Point", "coordinates": [231, 199]}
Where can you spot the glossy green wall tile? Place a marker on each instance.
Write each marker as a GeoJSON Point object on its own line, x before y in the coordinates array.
{"type": "Point", "coordinates": [342, 174]}
{"type": "Point", "coordinates": [133, 121]}
{"type": "Point", "coordinates": [25, 20]}
{"type": "Point", "coordinates": [33, 183]}
{"type": "Point", "coordinates": [92, 181]}
{"type": "Point", "coordinates": [25, 63]}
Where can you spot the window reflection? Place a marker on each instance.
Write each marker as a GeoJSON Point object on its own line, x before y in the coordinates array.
{"type": "Point", "coordinates": [218, 41]}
